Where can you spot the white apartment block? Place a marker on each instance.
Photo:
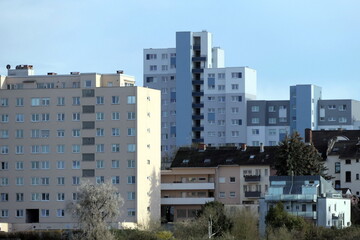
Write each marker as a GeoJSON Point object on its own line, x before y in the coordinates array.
{"type": "Point", "coordinates": [59, 130]}
{"type": "Point", "coordinates": [194, 81]}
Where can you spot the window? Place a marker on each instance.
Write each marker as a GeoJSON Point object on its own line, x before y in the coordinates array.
{"type": "Point", "coordinates": [348, 161]}
{"type": "Point", "coordinates": [332, 107]}
{"type": "Point", "coordinates": [60, 117]}
{"type": "Point", "coordinates": [4, 118]}
{"type": "Point", "coordinates": [232, 179]}
{"type": "Point", "coordinates": [254, 108]}
{"type": "Point", "coordinates": [45, 164]}
{"type": "Point", "coordinates": [115, 180]}
{"type": "Point", "coordinates": [255, 131]}
{"type": "Point", "coordinates": [19, 117]}
{"type": "Point", "coordinates": [60, 212]}
{"type": "Point", "coordinates": [347, 176]}
{"type": "Point", "coordinates": [45, 196]}
{"type": "Point", "coordinates": [221, 99]}
{"type": "Point", "coordinates": [255, 143]}
{"type": "Point", "coordinates": [115, 116]}
{"type": "Point", "coordinates": [131, 100]}
{"type": "Point", "coordinates": [131, 116]}
{"type": "Point", "coordinates": [100, 132]}
{"type": "Point", "coordinates": [282, 119]}
{"type": "Point", "coordinates": [19, 102]}
{"type": "Point", "coordinates": [19, 133]}
{"type": "Point", "coordinates": [20, 213]}
{"type": "Point", "coordinates": [164, 67]}
{"type": "Point", "coordinates": [131, 132]}
{"type": "Point", "coordinates": [19, 197]}
{"type": "Point", "coordinates": [272, 120]}
{"type": "Point", "coordinates": [271, 109]}
{"type": "Point", "coordinates": [211, 99]}
{"type": "Point", "coordinates": [222, 195]}
{"type": "Point", "coordinates": [115, 132]}
{"type": "Point", "coordinates": [45, 212]}
{"type": "Point", "coordinates": [221, 87]}
{"type": "Point", "coordinates": [75, 180]}
{"type": "Point", "coordinates": [76, 116]}
{"type": "Point", "coordinates": [60, 164]}
{"type": "Point", "coordinates": [234, 86]}
{"type": "Point", "coordinates": [75, 148]}
{"type": "Point", "coordinates": [255, 120]}
{"type": "Point", "coordinates": [4, 150]}
{"type": "Point", "coordinates": [99, 100]}
{"type": "Point", "coordinates": [150, 56]}
{"type": "Point", "coordinates": [232, 194]}
{"type": "Point", "coordinates": [99, 116]}
{"type": "Point", "coordinates": [130, 195]}
{"type": "Point", "coordinates": [164, 56]}
{"type": "Point", "coordinates": [153, 67]}
{"type": "Point", "coordinates": [4, 197]}
{"type": "Point", "coordinates": [4, 102]}
{"type": "Point", "coordinates": [342, 107]}
{"type": "Point", "coordinates": [115, 147]}
{"type": "Point", "coordinates": [4, 165]}
{"type": "Point", "coordinates": [236, 98]}
{"type": "Point", "coordinates": [115, 163]}
{"type": "Point", "coordinates": [131, 212]}
{"type": "Point", "coordinates": [100, 179]}
{"type": "Point", "coordinates": [100, 147]}
{"type": "Point", "coordinates": [4, 181]}
{"type": "Point", "coordinates": [61, 180]}
{"type": "Point", "coordinates": [131, 147]}
{"type": "Point", "coordinates": [131, 163]}
{"type": "Point", "coordinates": [76, 164]}
{"type": "Point", "coordinates": [236, 75]}
{"type": "Point", "coordinates": [100, 164]}
{"type": "Point", "coordinates": [131, 179]}
{"type": "Point", "coordinates": [19, 149]}
{"type": "Point", "coordinates": [331, 119]}
{"type": "Point", "coordinates": [342, 120]}
{"type": "Point", "coordinates": [4, 213]}
{"type": "Point", "coordinates": [115, 100]}
{"type": "Point", "coordinates": [4, 133]}
{"type": "Point", "coordinates": [76, 100]}
{"type": "Point", "coordinates": [76, 132]}
{"type": "Point", "coordinates": [19, 165]}
{"type": "Point", "coordinates": [221, 76]}
{"type": "Point", "coordinates": [236, 122]}
{"type": "Point", "coordinates": [60, 101]}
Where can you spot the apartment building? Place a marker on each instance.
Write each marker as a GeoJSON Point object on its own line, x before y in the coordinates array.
{"type": "Point", "coordinates": [311, 197]}
{"type": "Point", "coordinates": [202, 100]}
{"type": "Point", "coordinates": [234, 176]}
{"type": "Point", "coordinates": [268, 122]}
{"type": "Point", "coordinates": [59, 130]}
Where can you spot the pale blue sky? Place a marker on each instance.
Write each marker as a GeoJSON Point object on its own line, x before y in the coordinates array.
{"type": "Point", "coordinates": [287, 41]}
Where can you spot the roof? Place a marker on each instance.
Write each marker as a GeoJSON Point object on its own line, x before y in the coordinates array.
{"type": "Point", "coordinates": [214, 157]}
{"type": "Point", "coordinates": [346, 149]}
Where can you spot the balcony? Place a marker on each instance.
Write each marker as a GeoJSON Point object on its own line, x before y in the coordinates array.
{"type": "Point", "coordinates": [198, 129]}
{"type": "Point", "coordinates": [198, 140]}
{"type": "Point", "coordinates": [197, 94]}
{"type": "Point", "coordinates": [197, 70]}
{"type": "Point", "coordinates": [197, 117]}
{"type": "Point", "coordinates": [197, 82]}
{"type": "Point", "coordinates": [198, 105]}
{"type": "Point", "coordinates": [196, 47]}
{"type": "Point", "coordinates": [187, 186]}
{"type": "Point", "coordinates": [255, 194]}
{"type": "Point", "coordinates": [252, 178]}
{"type": "Point", "coordinates": [198, 59]}
{"type": "Point", "coordinates": [292, 197]}
{"type": "Point", "coordinates": [312, 215]}
{"type": "Point", "coordinates": [185, 201]}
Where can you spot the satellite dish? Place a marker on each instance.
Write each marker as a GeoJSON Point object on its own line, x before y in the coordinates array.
{"type": "Point", "coordinates": [8, 66]}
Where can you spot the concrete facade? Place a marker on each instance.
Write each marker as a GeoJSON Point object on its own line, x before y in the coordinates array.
{"type": "Point", "coordinates": [58, 130]}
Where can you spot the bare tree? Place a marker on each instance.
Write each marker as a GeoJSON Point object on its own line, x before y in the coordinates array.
{"type": "Point", "coordinates": [96, 208]}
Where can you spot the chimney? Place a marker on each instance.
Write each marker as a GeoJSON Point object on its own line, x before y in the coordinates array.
{"type": "Point", "coordinates": [119, 71]}
{"type": "Point", "coordinates": [202, 147]}
{"type": "Point", "coordinates": [243, 147]}
{"type": "Point", "coordinates": [308, 135]}
{"type": "Point", "coordinates": [262, 147]}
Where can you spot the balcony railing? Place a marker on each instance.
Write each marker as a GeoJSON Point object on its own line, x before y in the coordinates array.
{"type": "Point", "coordinates": [252, 178]}
{"type": "Point", "coordinates": [185, 201]}
{"type": "Point", "coordinates": [187, 186]}
{"type": "Point", "coordinates": [312, 215]}
{"type": "Point", "coordinates": [199, 59]}
{"type": "Point", "coordinates": [292, 197]}
{"type": "Point", "coordinates": [255, 194]}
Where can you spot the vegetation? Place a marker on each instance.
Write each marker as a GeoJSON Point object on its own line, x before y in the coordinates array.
{"type": "Point", "coordinates": [294, 157]}
{"type": "Point", "coordinates": [97, 206]}
{"type": "Point", "coordinates": [277, 217]}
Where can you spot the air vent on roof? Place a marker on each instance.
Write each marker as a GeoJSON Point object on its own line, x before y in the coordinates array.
{"type": "Point", "coordinates": [207, 161]}
{"type": "Point", "coordinates": [185, 161]}
{"type": "Point", "coordinates": [229, 160]}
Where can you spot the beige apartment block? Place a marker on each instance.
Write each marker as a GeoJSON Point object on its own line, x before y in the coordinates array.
{"type": "Point", "coordinates": [237, 177]}
{"type": "Point", "coordinates": [59, 130]}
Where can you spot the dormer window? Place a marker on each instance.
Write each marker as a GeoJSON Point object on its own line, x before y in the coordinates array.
{"type": "Point", "coordinates": [229, 160]}
{"type": "Point", "coordinates": [185, 161]}
{"type": "Point", "coordinates": [207, 161]}
{"type": "Point", "coordinates": [252, 156]}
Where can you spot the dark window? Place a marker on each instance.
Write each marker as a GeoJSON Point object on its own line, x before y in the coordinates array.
{"type": "Point", "coordinates": [88, 93]}
{"type": "Point", "coordinates": [88, 172]}
{"type": "Point", "coordinates": [88, 156]}
{"type": "Point", "coordinates": [337, 167]}
{"type": "Point", "coordinates": [88, 125]}
{"type": "Point", "coordinates": [314, 207]}
{"type": "Point", "coordinates": [303, 207]}
{"type": "Point", "coordinates": [348, 161]}
{"type": "Point", "coordinates": [337, 184]}
{"type": "Point", "coordinates": [348, 176]}
{"type": "Point", "coordinates": [88, 141]}
{"type": "Point", "coordinates": [88, 109]}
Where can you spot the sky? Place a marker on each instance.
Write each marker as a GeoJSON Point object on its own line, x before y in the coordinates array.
{"type": "Point", "coordinates": [288, 42]}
